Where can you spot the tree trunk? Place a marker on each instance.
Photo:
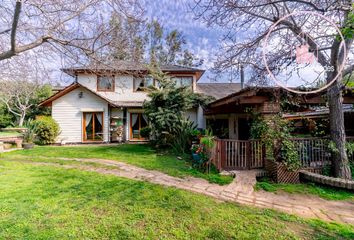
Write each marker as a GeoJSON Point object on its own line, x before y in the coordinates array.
{"type": "Point", "coordinates": [340, 161]}
{"type": "Point", "coordinates": [22, 119]}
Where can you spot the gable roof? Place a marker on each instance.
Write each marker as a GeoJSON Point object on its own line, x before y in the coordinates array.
{"type": "Point", "coordinates": [73, 86]}
{"type": "Point", "coordinates": [245, 96]}
{"type": "Point", "coordinates": [130, 67]}
{"type": "Point", "coordinates": [218, 90]}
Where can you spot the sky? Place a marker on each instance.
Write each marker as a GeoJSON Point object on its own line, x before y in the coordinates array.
{"type": "Point", "coordinates": [202, 40]}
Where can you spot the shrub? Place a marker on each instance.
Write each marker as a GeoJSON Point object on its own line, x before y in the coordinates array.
{"type": "Point", "coordinates": [145, 132]}
{"type": "Point", "coordinates": [47, 129]}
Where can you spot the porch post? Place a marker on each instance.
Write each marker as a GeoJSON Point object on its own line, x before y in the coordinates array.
{"type": "Point", "coordinates": [249, 156]}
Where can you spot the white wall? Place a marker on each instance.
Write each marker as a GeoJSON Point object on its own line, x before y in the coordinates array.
{"type": "Point", "coordinates": [123, 87]}
{"type": "Point", "coordinates": [67, 111]}
{"type": "Point", "coordinates": [192, 115]}
{"type": "Point", "coordinates": [201, 120]}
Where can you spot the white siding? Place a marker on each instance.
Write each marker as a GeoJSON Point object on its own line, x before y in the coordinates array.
{"type": "Point", "coordinates": [123, 88]}
{"type": "Point", "coordinates": [201, 118]}
{"type": "Point", "coordinates": [192, 116]}
{"type": "Point", "coordinates": [66, 110]}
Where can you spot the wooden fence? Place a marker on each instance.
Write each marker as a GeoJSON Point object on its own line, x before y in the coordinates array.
{"type": "Point", "coordinates": [315, 152]}
{"type": "Point", "coordinates": [230, 154]}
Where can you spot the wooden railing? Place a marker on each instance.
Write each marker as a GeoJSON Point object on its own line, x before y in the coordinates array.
{"type": "Point", "coordinates": [315, 152]}
{"type": "Point", "coordinates": [230, 154]}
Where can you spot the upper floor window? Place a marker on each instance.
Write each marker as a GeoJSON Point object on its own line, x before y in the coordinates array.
{"type": "Point", "coordinates": [143, 82]}
{"type": "Point", "coordinates": [183, 81]}
{"type": "Point", "coordinates": [105, 83]}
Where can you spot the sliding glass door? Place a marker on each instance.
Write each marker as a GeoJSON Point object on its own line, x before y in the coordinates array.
{"type": "Point", "coordinates": [137, 122]}
{"type": "Point", "coordinates": [93, 126]}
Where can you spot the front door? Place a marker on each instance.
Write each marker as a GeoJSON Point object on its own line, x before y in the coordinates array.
{"type": "Point", "coordinates": [243, 129]}
{"type": "Point", "coordinates": [93, 126]}
{"type": "Point", "coordinates": [137, 122]}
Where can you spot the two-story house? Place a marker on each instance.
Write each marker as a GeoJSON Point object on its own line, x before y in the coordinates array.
{"type": "Point", "coordinates": [89, 108]}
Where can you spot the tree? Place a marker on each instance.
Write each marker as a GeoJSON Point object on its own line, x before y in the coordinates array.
{"type": "Point", "coordinates": [140, 41]}
{"type": "Point", "coordinates": [19, 96]}
{"type": "Point", "coordinates": [167, 48]}
{"type": "Point", "coordinates": [67, 26]}
{"type": "Point", "coordinates": [166, 108]}
{"type": "Point", "coordinates": [243, 46]}
{"type": "Point", "coordinates": [127, 42]}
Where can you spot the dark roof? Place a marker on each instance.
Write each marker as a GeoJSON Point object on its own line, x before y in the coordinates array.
{"type": "Point", "coordinates": [218, 90]}
{"type": "Point", "coordinates": [318, 112]}
{"type": "Point", "coordinates": [128, 103]}
{"type": "Point", "coordinates": [126, 66]}
{"type": "Point", "coordinates": [313, 98]}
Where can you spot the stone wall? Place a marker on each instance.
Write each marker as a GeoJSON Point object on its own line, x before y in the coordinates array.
{"type": "Point", "coordinates": [334, 182]}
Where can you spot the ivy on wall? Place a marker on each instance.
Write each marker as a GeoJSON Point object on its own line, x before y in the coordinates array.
{"type": "Point", "coordinates": [275, 133]}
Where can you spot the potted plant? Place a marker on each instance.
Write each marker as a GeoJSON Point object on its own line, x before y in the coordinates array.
{"type": "Point", "coordinates": [196, 149]}
{"type": "Point", "coordinates": [29, 136]}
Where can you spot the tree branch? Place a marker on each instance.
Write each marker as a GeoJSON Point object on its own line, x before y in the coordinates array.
{"type": "Point", "coordinates": [15, 24]}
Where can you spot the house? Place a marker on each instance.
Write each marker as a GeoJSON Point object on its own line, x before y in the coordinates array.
{"type": "Point", "coordinates": [230, 116]}
{"type": "Point", "coordinates": [104, 103]}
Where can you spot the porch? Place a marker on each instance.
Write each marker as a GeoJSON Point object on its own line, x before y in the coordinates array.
{"type": "Point", "coordinates": [230, 154]}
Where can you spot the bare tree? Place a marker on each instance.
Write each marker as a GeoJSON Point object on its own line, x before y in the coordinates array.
{"type": "Point", "coordinates": [248, 23]}
{"type": "Point", "coordinates": [68, 26]}
{"type": "Point", "coordinates": [20, 83]}
{"type": "Point", "coordinates": [17, 96]}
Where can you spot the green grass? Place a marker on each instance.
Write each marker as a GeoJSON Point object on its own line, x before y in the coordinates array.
{"type": "Point", "coordinates": [141, 155]}
{"type": "Point", "coordinates": [44, 202]}
{"type": "Point", "coordinates": [9, 134]}
{"type": "Point", "coordinates": [325, 192]}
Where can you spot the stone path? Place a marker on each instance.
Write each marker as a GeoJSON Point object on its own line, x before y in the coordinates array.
{"type": "Point", "coordinates": [239, 191]}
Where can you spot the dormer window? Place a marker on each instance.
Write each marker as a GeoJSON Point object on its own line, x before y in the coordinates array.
{"type": "Point", "coordinates": [105, 83]}
{"type": "Point", "coordinates": [183, 81]}
{"type": "Point", "coordinates": [140, 83]}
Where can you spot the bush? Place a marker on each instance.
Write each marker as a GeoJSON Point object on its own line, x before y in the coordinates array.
{"type": "Point", "coordinates": [47, 129]}
{"type": "Point", "coordinates": [182, 137]}
{"type": "Point", "coordinates": [145, 132]}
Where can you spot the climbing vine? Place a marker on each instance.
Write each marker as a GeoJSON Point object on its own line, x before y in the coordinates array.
{"type": "Point", "coordinates": [275, 133]}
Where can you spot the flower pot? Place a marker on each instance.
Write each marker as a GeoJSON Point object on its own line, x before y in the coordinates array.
{"type": "Point", "coordinates": [28, 145]}
{"type": "Point", "coordinates": [196, 156]}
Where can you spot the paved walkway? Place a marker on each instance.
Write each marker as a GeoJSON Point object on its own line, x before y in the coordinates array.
{"type": "Point", "coordinates": [239, 191]}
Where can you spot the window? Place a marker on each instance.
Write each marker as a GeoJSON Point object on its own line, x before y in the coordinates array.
{"type": "Point", "coordinates": [183, 81]}
{"type": "Point", "coordinates": [105, 83]}
{"type": "Point", "coordinates": [143, 82]}
{"type": "Point", "coordinates": [93, 126]}
{"type": "Point", "coordinates": [137, 122]}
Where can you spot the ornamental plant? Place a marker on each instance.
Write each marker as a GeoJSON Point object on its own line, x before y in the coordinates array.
{"type": "Point", "coordinates": [275, 133]}
{"type": "Point", "coordinates": [47, 129]}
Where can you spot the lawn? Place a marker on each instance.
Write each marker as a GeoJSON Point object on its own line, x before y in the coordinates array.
{"type": "Point", "coordinates": [45, 202]}
{"type": "Point", "coordinates": [141, 155]}
{"type": "Point", "coordinates": [9, 134]}
{"type": "Point", "coordinates": [325, 192]}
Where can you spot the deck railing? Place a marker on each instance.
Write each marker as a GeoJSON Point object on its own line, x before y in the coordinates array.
{"type": "Point", "coordinates": [232, 154]}
{"type": "Point", "coordinates": [315, 152]}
